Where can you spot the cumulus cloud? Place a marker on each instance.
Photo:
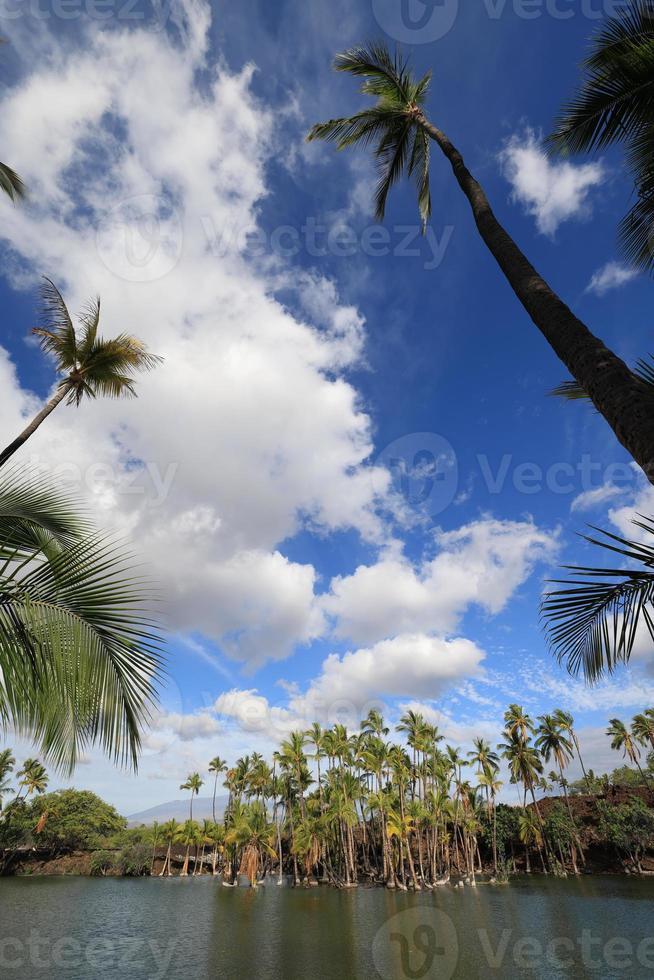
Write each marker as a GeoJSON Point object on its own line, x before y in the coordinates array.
{"type": "Point", "coordinates": [613, 275]}
{"type": "Point", "coordinates": [248, 432]}
{"type": "Point", "coordinates": [596, 497]}
{"type": "Point", "coordinates": [551, 192]}
{"type": "Point", "coordinates": [482, 563]}
{"type": "Point", "coordinates": [404, 666]}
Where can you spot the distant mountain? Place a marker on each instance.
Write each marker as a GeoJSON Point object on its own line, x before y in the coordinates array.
{"type": "Point", "coordinates": [178, 810]}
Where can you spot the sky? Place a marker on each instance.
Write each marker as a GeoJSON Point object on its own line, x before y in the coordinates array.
{"type": "Point", "coordinates": [347, 479]}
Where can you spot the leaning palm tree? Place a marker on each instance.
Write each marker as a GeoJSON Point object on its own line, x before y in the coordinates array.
{"type": "Point", "coordinates": [7, 763]}
{"type": "Point", "coordinates": [614, 106]}
{"type": "Point", "coordinates": [402, 134]}
{"type": "Point", "coordinates": [624, 740]}
{"type": "Point", "coordinates": [79, 657]}
{"type": "Point", "coordinates": [90, 365]}
{"type": "Point", "coordinates": [32, 778]}
{"type": "Point", "coordinates": [592, 623]}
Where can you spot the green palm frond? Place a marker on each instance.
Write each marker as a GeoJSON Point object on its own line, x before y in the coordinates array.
{"type": "Point", "coordinates": [80, 658]}
{"type": "Point", "coordinates": [618, 88]}
{"type": "Point", "coordinates": [11, 183]}
{"type": "Point", "coordinates": [644, 371]}
{"type": "Point", "coordinates": [592, 623]}
{"type": "Point", "coordinates": [56, 334]}
{"type": "Point", "coordinates": [393, 125]}
{"type": "Point", "coordinates": [615, 104]}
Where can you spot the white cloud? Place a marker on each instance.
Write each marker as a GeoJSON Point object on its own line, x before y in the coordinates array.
{"type": "Point", "coordinates": [551, 192]}
{"type": "Point", "coordinates": [610, 276]}
{"type": "Point", "coordinates": [405, 666]}
{"type": "Point", "coordinates": [595, 498]}
{"type": "Point", "coordinates": [248, 431]}
{"type": "Point", "coordinates": [481, 564]}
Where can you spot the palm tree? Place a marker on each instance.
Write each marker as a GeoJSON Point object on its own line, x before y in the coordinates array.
{"type": "Point", "coordinates": [642, 728]}
{"type": "Point", "coordinates": [170, 831]}
{"type": "Point", "coordinates": [79, 658]}
{"type": "Point", "coordinates": [194, 784]}
{"type": "Point", "coordinates": [592, 624]}
{"type": "Point", "coordinates": [614, 105]}
{"type": "Point", "coordinates": [32, 777]}
{"type": "Point", "coordinates": [399, 129]}
{"type": "Point", "coordinates": [156, 835]}
{"type": "Point", "coordinates": [518, 724]}
{"type": "Point", "coordinates": [566, 723]}
{"type": "Point", "coordinates": [216, 766]}
{"type": "Point", "coordinates": [7, 763]}
{"type": "Point", "coordinates": [90, 365]}
{"type": "Point", "coordinates": [623, 740]}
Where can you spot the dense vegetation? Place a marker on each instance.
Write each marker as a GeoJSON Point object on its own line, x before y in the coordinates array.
{"type": "Point", "coordinates": [409, 815]}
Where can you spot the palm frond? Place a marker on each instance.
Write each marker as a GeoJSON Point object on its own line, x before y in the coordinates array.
{"type": "Point", "coordinates": [644, 371]}
{"type": "Point", "coordinates": [80, 658]}
{"type": "Point", "coordinates": [592, 623]}
{"type": "Point", "coordinates": [56, 333]}
{"type": "Point", "coordinates": [11, 183]}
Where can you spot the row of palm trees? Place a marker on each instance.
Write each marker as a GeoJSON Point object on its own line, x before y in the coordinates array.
{"type": "Point", "coordinates": [357, 807]}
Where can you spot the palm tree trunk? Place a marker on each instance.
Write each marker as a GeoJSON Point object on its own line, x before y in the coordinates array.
{"type": "Point", "coordinates": [614, 390]}
{"type": "Point", "coordinates": [29, 430]}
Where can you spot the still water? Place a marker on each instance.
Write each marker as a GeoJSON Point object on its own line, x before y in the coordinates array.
{"type": "Point", "coordinates": [133, 929]}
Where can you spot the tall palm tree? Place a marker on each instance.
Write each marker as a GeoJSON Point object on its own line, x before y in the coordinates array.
{"type": "Point", "coordinates": [401, 133]}
{"type": "Point", "coordinates": [614, 106]}
{"type": "Point", "coordinates": [593, 622]}
{"type": "Point", "coordinates": [79, 658]}
{"type": "Point", "coordinates": [194, 784]}
{"type": "Point", "coordinates": [90, 365]}
{"type": "Point", "coordinates": [566, 723]}
{"type": "Point", "coordinates": [7, 763]}
{"type": "Point", "coordinates": [216, 766]}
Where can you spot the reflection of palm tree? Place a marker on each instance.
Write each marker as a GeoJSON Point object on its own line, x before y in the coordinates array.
{"type": "Point", "coordinates": [90, 365]}
{"type": "Point", "coordinates": [402, 136]}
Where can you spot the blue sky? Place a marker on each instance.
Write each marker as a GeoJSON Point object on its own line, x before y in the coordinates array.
{"type": "Point", "coordinates": [270, 472]}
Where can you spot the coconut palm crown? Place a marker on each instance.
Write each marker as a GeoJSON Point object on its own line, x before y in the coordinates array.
{"type": "Point", "coordinates": [393, 125]}
{"type": "Point", "coordinates": [90, 365]}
